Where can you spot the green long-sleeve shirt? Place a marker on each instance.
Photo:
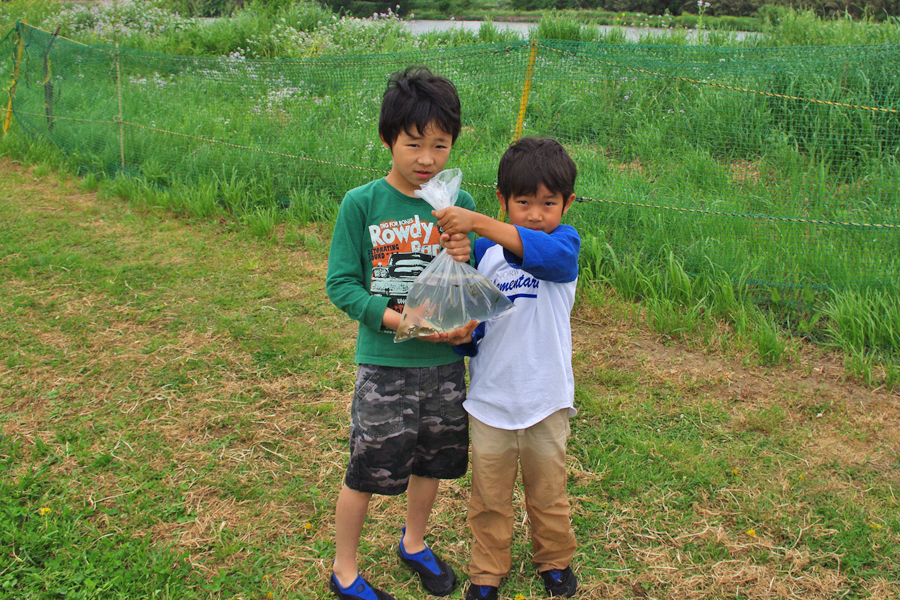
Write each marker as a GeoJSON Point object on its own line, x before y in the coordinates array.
{"type": "Point", "coordinates": [382, 241]}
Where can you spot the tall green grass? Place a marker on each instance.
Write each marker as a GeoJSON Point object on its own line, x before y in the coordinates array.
{"type": "Point", "coordinates": [32, 11]}
{"type": "Point", "coordinates": [306, 28]}
{"type": "Point", "coordinates": [715, 159]}
{"type": "Point", "coordinates": [863, 325]}
{"type": "Point", "coordinates": [790, 27]}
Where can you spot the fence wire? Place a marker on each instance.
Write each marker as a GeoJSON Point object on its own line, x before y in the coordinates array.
{"type": "Point", "coordinates": [780, 162]}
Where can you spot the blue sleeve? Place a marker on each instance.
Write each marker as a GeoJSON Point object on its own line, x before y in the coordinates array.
{"type": "Point", "coordinates": [548, 256]}
{"type": "Point", "coordinates": [471, 348]}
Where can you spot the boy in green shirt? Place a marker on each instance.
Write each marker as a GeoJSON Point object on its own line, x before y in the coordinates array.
{"type": "Point", "coordinates": [408, 427]}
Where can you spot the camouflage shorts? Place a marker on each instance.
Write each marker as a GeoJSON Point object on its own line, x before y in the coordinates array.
{"type": "Point", "coordinates": [407, 421]}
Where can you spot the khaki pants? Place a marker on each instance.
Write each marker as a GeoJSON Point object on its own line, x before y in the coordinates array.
{"type": "Point", "coordinates": [496, 454]}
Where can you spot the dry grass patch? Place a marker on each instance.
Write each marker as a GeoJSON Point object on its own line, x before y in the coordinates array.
{"type": "Point", "coordinates": [220, 430]}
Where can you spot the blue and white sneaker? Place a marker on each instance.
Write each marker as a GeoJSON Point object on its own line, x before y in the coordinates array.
{"type": "Point", "coordinates": [358, 590]}
{"type": "Point", "coordinates": [560, 582]}
{"type": "Point", "coordinates": [436, 575]}
{"type": "Point", "coordinates": [482, 592]}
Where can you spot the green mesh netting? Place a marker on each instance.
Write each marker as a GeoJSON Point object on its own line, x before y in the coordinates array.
{"type": "Point", "coordinates": [777, 162]}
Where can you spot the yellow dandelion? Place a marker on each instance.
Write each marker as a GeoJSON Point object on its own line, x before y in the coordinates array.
{"type": "Point", "coordinates": [519, 597]}
{"type": "Point", "coordinates": [874, 525]}
{"type": "Point", "coordinates": [734, 471]}
{"type": "Point", "coordinates": [269, 595]}
{"type": "Point", "coordinates": [307, 526]}
{"type": "Point", "coordinates": [751, 532]}
{"type": "Point", "coordinates": [44, 511]}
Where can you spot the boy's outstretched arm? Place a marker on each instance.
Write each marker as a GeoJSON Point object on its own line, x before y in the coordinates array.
{"type": "Point", "coordinates": [459, 220]}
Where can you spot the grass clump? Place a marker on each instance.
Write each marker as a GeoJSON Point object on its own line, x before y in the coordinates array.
{"type": "Point", "coordinates": [692, 308]}
{"type": "Point", "coordinates": [45, 526]}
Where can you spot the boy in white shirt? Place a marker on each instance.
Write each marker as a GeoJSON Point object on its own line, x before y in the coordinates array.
{"type": "Point", "coordinates": [522, 389]}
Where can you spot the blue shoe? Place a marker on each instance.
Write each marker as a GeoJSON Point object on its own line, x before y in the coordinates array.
{"type": "Point", "coordinates": [560, 582]}
{"type": "Point", "coordinates": [482, 592]}
{"type": "Point", "coordinates": [358, 590]}
{"type": "Point", "coordinates": [436, 575]}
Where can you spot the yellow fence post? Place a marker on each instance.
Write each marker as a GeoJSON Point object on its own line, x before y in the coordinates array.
{"type": "Point", "coordinates": [12, 89]}
{"type": "Point", "coordinates": [526, 90]}
{"type": "Point", "coordinates": [523, 105]}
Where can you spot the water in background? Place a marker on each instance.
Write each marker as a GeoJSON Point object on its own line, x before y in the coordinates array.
{"type": "Point", "coordinates": [632, 34]}
{"type": "Point", "coordinates": [523, 29]}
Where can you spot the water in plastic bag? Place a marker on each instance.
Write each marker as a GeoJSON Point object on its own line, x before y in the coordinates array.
{"type": "Point", "coordinates": [447, 294]}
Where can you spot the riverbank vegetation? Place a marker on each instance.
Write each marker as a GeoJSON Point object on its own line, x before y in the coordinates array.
{"type": "Point", "coordinates": [864, 324]}
{"type": "Point", "coordinates": [290, 29]}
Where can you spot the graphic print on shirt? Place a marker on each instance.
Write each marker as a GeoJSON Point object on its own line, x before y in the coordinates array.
{"type": "Point", "coordinates": [516, 283]}
{"type": "Point", "coordinates": [400, 251]}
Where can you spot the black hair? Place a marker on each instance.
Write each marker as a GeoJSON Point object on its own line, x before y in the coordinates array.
{"type": "Point", "coordinates": [532, 161]}
{"type": "Point", "coordinates": [416, 98]}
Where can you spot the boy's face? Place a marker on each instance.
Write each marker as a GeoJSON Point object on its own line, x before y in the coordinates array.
{"type": "Point", "coordinates": [541, 211]}
{"type": "Point", "coordinates": [418, 158]}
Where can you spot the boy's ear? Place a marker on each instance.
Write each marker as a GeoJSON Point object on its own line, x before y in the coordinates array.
{"type": "Point", "coordinates": [567, 203]}
{"type": "Point", "coordinates": [502, 201]}
{"type": "Point", "coordinates": [501, 214]}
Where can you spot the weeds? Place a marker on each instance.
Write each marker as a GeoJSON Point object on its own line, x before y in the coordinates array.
{"type": "Point", "coordinates": [755, 163]}
{"type": "Point", "coordinates": [167, 421]}
{"type": "Point", "coordinates": [709, 209]}
{"type": "Point", "coordinates": [769, 345]}
{"type": "Point", "coordinates": [865, 320]}
{"type": "Point", "coordinates": [862, 324]}
{"type": "Point", "coordinates": [261, 223]}
{"type": "Point", "coordinates": [308, 207]}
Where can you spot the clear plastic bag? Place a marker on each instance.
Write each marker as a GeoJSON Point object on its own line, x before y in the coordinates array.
{"type": "Point", "coordinates": [447, 294]}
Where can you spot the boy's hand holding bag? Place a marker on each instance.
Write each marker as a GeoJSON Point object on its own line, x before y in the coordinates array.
{"type": "Point", "coordinates": [447, 294]}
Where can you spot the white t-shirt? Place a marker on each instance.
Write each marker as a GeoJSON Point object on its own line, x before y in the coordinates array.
{"type": "Point", "coordinates": [522, 369]}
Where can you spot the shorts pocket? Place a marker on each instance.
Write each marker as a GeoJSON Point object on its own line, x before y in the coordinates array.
{"type": "Point", "coordinates": [377, 410]}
